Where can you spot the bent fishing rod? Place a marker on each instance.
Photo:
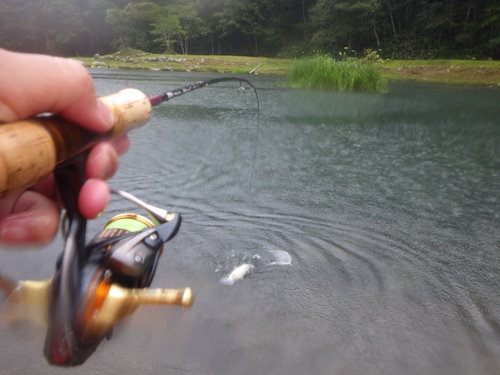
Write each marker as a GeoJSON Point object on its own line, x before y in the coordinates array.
{"type": "Point", "coordinates": [30, 149]}
{"type": "Point", "coordinates": [96, 283]}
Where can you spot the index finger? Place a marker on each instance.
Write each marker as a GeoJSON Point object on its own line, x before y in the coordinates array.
{"type": "Point", "coordinates": [34, 84]}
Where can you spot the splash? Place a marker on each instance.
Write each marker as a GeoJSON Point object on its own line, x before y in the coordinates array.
{"type": "Point", "coordinates": [281, 258]}
{"type": "Point", "coordinates": [245, 264]}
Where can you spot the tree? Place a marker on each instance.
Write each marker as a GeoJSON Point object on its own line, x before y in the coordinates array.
{"type": "Point", "coordinates": [436, 20]}
{"type": "Point", "coordinates": [247, 20]}
{"type": "Point", "coordinates": [165, 27]}
{"type": "Point", "coordinates": [98, 35]}
{"type": "Point", "coordinates": [401, 28]}
{"type": "Point", "coordinates": [345, 23]}
{"type": "Point", "coordinates": [116, 19]}
{"type": "Point", "coordinates": [62, 26]}
{"type": "Point", "coordinates": [491, 27]}
{"type": "Point", "coordinates": [133, 24]}
{"type": "Point", "coordinates": [191, 25]}
{"type": "Point", "coordinates": [50, 27]}
{"type": "Point", "coordinates": [11, 30]}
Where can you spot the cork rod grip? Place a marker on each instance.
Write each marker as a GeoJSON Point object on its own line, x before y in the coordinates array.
{"type": "Point", "coordinates": [30, 149]}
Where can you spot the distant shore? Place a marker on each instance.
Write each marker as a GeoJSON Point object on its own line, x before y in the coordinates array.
{"type": "Point", "coordinates": [465, 72]}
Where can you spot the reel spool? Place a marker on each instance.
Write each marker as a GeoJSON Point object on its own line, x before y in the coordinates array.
{"type": "Point", "coordinates": [136, 268]}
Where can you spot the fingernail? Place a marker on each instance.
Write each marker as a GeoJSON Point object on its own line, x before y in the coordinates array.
{"type": "Point", "coordinates": [111, 162]}
{"type": "Point", "coordinates": [13, 228]}
{"type": "Point", "coordinates": [107, 116]}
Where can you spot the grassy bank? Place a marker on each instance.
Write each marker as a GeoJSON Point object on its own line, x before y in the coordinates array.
{"type": "Point", "coordinates": [139, 60]}
{"type": "Point", "coordinates": [438, 71]}
{"type": "Point", "coordinates": [471, 72]}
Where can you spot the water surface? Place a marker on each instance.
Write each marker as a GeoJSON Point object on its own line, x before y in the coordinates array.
{"type": "Point", "coordinates": [372, 222]}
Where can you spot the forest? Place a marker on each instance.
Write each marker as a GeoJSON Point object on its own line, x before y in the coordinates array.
{"type": "Point", "coordinates": [396, 29]}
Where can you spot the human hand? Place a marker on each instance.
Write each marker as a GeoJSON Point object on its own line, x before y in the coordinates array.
{"type": "Point", "coordinates": [34, 84]}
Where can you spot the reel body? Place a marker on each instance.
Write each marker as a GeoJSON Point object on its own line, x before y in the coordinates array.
{"type": "Point", "coordinates": [120, 263]}
{"type": "Point", "coordinates": [100, 282]}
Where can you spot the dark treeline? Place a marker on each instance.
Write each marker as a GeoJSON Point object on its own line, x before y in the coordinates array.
{"type": "Point", "coordinates": [289, 28]}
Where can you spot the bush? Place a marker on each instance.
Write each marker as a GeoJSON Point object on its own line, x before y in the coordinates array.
{"type": "Point", "coordinates": [325, 73]}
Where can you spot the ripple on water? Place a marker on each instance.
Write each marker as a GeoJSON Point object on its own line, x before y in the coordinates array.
{"type": "Point", "coordinates": [371, 223]}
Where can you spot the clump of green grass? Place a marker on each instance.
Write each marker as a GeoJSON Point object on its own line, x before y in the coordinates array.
{"type": "Point", "coordinates": [325, 73]}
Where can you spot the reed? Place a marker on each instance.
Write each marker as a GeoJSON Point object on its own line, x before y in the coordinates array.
{"type": "Point", "coordinates": [325, 73]}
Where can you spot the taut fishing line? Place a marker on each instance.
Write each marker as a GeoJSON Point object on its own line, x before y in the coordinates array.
{"type": "Point", "coordinates": [6, 285]}
{"type": "Point", "coordinates": [99, 282]}
{"type": "Point", "coordinates": [160, 98]}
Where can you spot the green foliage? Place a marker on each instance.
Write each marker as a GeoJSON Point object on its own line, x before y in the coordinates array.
{"type": "Point", "coordinates": [348, 23]}
{"type": "Point", "coordinates": [407, 29]}
{"type": "Point", "coordinates": [53, 27]}
{"type": "Point", "coordinates": [325, 73]}
{"type": "Point", "coordinates": [133, 24]}
{"type": "Point", "coordinates": [191, 25]}
{"type": "Point", "coordinates": [165, 27]}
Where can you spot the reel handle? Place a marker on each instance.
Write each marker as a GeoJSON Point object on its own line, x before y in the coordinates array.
{"type": "Point", "coordinates": [109, 303]}
{"type": "Point", "coordinates": [30, 149]}
{"type": "Point", "coordinates": [133, 298]}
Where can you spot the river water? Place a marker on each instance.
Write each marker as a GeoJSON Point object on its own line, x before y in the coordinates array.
{"type": "Point", "coordinates": [372, 222]}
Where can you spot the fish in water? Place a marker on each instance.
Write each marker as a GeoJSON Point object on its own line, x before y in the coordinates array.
{"type": "Point", "coordinates": [237, 274]}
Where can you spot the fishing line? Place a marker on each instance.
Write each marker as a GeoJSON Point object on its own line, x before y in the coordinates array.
{"type": "Point", "coordinates": [256, 137]}
{"type": "Point", "coordinates": [75, 299]}
{"type": "Point", "coordinates": [7, 308]}
{"type": "Point", "coordinates": [160, 98]}
{"type": "Point", "coordinates": [200, 166]}
{"type": "Point", "coordinates": [7, 286]}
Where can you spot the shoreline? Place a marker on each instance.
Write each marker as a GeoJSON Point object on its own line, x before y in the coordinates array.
{"type": "Point", "coordinates": [460, 72]}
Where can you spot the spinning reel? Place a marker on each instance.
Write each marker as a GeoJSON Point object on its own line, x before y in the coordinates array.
{"type": "Point", "coordinates": [97, 284]}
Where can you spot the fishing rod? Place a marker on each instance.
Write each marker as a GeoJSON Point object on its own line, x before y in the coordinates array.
{"type": "Point", "coordinates": [30, 149]}
{"type": "Point", "coordinates": [101, 282]}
